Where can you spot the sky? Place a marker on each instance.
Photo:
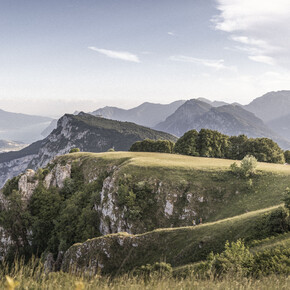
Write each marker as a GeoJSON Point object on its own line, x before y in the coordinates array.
{"type": "Point", "coordinates": [60, 56]}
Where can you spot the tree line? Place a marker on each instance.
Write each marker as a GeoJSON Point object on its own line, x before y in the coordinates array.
{"type": "Point", "coordinates": [211, 143]}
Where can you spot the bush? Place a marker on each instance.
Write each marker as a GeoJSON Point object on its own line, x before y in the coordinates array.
{"type": "Point", "coordinates": [235, 259]}
{"type": "Point", "coordinates": [287, 198]}
{"type": "Point", "coordinates": [156, 269]}
{"type": "Point", "coordinates": [111, 150]}
{"type": "Point", "coordinates": [247, 167]}
{"type": "Point", "coordinates": [74, 150]}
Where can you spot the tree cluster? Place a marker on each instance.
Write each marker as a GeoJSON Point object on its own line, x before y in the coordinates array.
{"type": "Point", "coordinates": [211, 143]}
{"type": "Point", "coordinates": [148, 145]}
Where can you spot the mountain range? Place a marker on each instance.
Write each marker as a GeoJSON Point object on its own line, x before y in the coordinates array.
{"type": "Point", "coordinates": [85, 131]}
{"type": "Point", "coordinates": [147, 114]}
{"type": "Point", "coordinates": [22, 127]}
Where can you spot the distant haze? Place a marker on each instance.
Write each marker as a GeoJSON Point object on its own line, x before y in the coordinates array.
{"type": "Point", "coordinates": [95, 53]}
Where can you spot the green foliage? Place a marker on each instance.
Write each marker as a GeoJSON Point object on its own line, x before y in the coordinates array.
{"type": "Point", "coordinates": [235, 260]}
{"type": "Point", "coordinates": [287, 156]}
{"type": "Point", "coordinates": [247, 167]}
{"type": "Point", "coordinates": [264, 150]}
{"type": "Point", "coordinates": [187, 144]}
{"type": "Point", "coordinates": [139, 200]}
{"type": "Point", "coordinates": [74, 150]}
{"type": "Point", "coordinates": [287, 198]}
{"type": "Point", "coordinates": [237, 147]}
{"type": "Point", "coordinates": [149, 271]}
{"type": "Point", "coordinates": [16, 222]}
{"type": "Point", "coordinates": [147, 145]}
{"type": "Point", "coordinates": [10, 185]}
{"type": "Point", "coordinates": [111, 150]}
{"type": "Point", "coordinates": [44, 207]}
{"type": "Point", "coordinates": [210, 143]}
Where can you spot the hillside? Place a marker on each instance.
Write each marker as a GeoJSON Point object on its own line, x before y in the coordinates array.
{"type": "Point", "coordinates": [183, 119]}
{"type": "Point", "coordinates": [22, 127]}
{"type": "Point", "coordinates": [87, 132]}
{"type": "Point", "coordinates": [281, 125]}
{"type": "Point", "coordinates": [270, 106]}
{"type": "Point", "coordinates": [177, 246]}
{"type": "Point", "coordinates": [231, 120]}
{"type": "Point", "coordinates": [135, 193]}
{"type": "Point", "coordinates": [147, 114]}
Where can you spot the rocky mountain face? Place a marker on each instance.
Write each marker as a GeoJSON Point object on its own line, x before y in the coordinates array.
{"type": "Point", "coordinates": [147, 114]}
{"type": "Point", "coordinates": [270, 106]}
{"type": "Point", "coordinates": [87, 132]}
{"type": "Point", "coordinates": [229, 119]}
{"type": "Point", "coordinates": [22, 127]}
{"type": "Point", "coordinates": [183, 119]}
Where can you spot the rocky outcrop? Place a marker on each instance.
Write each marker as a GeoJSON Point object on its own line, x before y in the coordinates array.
{"type": "Point", "coordinates": [89, 133]}
{"type": "Point", "coordinates": [57, 176]}
{"type": "Point", "coordinates": [27, 184]}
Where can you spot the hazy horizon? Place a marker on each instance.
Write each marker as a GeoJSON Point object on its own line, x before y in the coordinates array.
{"type": "Point", "coordinates": [61, 56]}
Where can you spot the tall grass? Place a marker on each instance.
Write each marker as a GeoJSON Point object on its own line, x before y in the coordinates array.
{"type": "Point", "coordinates": [34, 276]}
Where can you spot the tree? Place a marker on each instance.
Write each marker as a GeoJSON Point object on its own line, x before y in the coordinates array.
{"type": "Point", "coordinates": [287, 198]}
{"type": "Point", "coordinates": [148, 145]}
{"type": "Point", "coordinates": [265, 150]}
{"type": "Point", "coordinates": [187, 144]}
{"type": "Point", "coordinates": [287, 156]}
{"type": "Point", "coordinates": [74, 150]}
{"type": "Point", "coordinates": [212, 143]}
{"type": "Point", "coordinates": [237, 146]}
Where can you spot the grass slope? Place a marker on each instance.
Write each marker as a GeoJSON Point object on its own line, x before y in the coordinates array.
{"type": "Point", "coordinates": [224, 194]}
{"type": "Point", "coordinates": [177, 246]}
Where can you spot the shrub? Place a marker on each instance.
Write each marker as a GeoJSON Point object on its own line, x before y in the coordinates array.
{"type": "Point", "coordinates": [156, 269]}
{"type": "Point", "coordinates": [287, 198]}
{"type": "Point", "coordinates": [247, 167]}
{"type": "Point", "coordinates": [235, 259]}
{"type": "Point", "coordinates": [111, 150]}
{"type": "Point", "coordinates": [74, 150]}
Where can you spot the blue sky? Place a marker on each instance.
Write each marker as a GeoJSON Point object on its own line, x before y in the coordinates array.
{"type": "Point", "coordinates": [61, 56]}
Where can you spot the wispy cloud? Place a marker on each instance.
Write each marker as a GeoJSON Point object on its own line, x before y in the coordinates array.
{"type": "Point", "coordinates": [171, 33]}
{"type": "Point", "coordinates": [263, 59]}
{"type": "Point", "coordinates": [259, 27]}
{"type": "Point", "coordinates": [122, 55]}
{"type": "Point", "coordinates": [217, 64]}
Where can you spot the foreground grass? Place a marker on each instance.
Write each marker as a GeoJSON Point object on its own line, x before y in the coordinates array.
{"type": "Point", "coordinates": [33, 277]}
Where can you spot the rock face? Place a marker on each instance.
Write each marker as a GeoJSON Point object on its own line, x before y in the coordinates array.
{"type": "Point", "coordinates": [57, 176]}
{"type": "Point", "coordinates": [89, 133]}
{"type": "Point", "coordinates": [27, 183]}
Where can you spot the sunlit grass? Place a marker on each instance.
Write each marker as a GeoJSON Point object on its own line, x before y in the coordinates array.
{"type": "Point", "coordinates": [33, 276]}
{"type": "Point", "coordinates": [146, 159]}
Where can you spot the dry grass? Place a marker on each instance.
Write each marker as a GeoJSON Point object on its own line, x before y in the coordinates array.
{"type": "Point", "coordinates": [145, 159]}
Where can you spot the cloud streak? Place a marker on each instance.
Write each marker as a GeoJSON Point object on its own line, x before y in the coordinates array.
{"type": "Point", "coordinates": [217, 64]}
{"type": "Point", "coordinates": [258, 26]}
{"type": "Point", "coordinates": [121, 55]}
